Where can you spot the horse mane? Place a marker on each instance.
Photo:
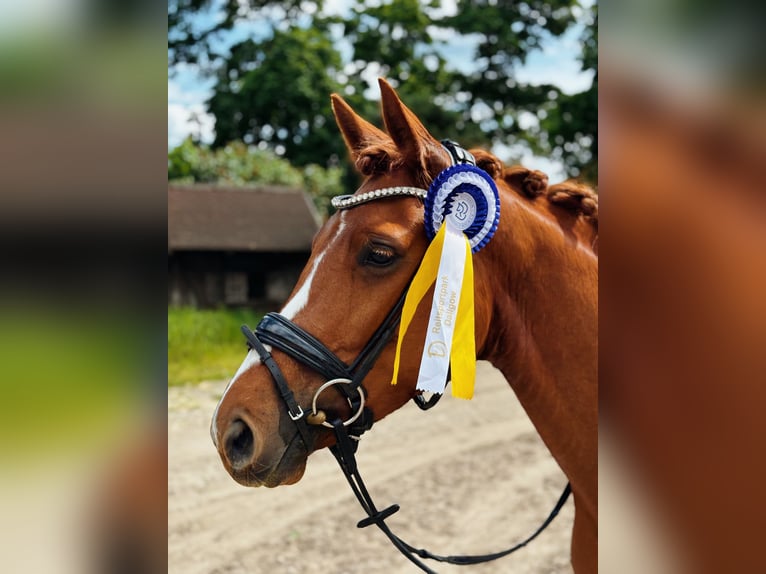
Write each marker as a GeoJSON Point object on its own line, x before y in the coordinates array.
{"type": "Point", "coordinates": [574, 197]}
{"type": "Point", "coordinates": [577, 198]}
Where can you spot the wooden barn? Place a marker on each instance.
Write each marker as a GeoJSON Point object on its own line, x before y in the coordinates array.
{"type": "Point", "coordinates": [234, 246]}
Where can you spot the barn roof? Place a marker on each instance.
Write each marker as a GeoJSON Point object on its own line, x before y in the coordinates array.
{"type": "Point", "coordinates": [265, 218]}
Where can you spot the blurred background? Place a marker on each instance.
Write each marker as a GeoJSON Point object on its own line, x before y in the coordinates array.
{"type": "Point", "coordinates": [517, 76]}
{"type": "Point", "coordinates": [683, 319]}
{"type": "Point", "coordinates": [82, 309]}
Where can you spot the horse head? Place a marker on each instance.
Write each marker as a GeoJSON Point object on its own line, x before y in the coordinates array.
{"type": "Point", "coordinates": [361, 264]}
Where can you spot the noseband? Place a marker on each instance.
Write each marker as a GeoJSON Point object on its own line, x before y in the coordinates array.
{"type": "Point", "coordinates": [283, 334]}
{"type": "Point", "coordinates": [279, 332]}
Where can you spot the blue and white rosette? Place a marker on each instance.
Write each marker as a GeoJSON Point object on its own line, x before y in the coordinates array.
{"type": "Point", "coordinates": [468, 198]}
{"type": "Point", "coordinates": [462, 211]}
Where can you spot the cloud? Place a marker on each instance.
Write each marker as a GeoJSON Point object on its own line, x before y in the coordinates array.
{"type": "Point", "coordinates": [185, 120]}
{"type": "Point", "coordinates": [186, 110]}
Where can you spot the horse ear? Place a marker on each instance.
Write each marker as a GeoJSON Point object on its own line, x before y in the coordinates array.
{"type": "Point", "coordinates": [357, 132]}
{"type": "Point", "coordinates": [410, 136]}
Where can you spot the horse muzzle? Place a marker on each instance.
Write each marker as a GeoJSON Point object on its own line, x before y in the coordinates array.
{"type": "Point", "coordinates": [252, 462]}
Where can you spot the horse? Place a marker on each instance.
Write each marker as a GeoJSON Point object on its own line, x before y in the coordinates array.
{"type": "Point", "coordinates": [536, 316]}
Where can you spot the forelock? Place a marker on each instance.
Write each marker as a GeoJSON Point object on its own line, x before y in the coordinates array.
{"type": "Point", "coordinates": [378, 158]}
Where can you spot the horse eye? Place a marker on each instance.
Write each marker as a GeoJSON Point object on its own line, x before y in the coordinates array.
{"type": "Point", "coordinates": [379, 256]}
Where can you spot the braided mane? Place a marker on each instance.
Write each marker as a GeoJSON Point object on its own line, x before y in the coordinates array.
{"type": "Point", "coordinates": [577, 198]}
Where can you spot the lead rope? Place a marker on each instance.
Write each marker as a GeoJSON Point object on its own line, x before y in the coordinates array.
{"type": "Point", "coordinates": [343, 451]}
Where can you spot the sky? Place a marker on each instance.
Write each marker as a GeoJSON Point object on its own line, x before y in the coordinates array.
{"type": "Point", "coordinates": [556, 63]}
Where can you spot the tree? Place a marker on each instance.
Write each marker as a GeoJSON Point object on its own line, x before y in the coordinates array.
{"type": "Point", "coordinates": [277, 92]}
{"type": "Point", "coordinates": [273, 91]}
{"type": "Point", "coordinates": [571, 125]}
{"type": "Point", "coordinates": [397, 38]}
{"type": "Point", "coordinates": [195, 26]}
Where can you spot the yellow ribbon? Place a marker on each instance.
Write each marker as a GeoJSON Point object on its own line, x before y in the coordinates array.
{"type": "Point", "coordinates": [462, 350]}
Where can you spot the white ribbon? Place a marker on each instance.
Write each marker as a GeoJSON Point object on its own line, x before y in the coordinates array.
{"type": "Point", "coordinates": [441, 324]}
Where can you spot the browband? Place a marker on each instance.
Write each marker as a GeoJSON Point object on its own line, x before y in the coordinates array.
{"type": "Point", "coordinates": [457, 154]}
{"type": "Point", "coordinates": [347, 201]}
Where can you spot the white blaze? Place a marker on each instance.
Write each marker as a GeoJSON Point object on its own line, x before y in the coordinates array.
{"type": "Point", "coordinates": [296, 303]}
{"type": "Point", "coordinates": [301, 298]}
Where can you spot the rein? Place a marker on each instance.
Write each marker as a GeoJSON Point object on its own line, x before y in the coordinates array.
{"type": "Point", "coordinates": [277, 331]}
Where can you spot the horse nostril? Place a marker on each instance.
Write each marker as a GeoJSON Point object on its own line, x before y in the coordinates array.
{"type": "Point", "coordinates": [239, 444]}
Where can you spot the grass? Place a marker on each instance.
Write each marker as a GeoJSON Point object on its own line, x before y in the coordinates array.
{"type": "Point", "coordinates": [70, 378]}
{"type": "Point", "coordinates": [206, 344]}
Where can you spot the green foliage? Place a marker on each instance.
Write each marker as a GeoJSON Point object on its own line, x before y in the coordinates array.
{"type": "Point", "coordinates": [323, 184]}
{"type": "Point", "coordinates": [239, 165]}
{"type": "Point", "coordinates": [389, 33]}
{"type": "Point", "coordinates": [189, 41]}
{"type": "Point", "coordinates": [569, 124]}
{"type": "Point", "coordinates": [205, 344]}
{"type": "Point", "coordinates": [509, 31]}
{"type": "Point", "coordinates": [397, 37]}
{"type": "Point", "coordinates": [80, 387]}
{"type": "Point", "coordinates": [274, 89]}
{"type": "Point", "coordinates": [233, 164]}
{"type": "Point", "coordinates": [277, 91]}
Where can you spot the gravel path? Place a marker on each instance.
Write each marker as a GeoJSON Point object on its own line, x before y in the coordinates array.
{"type": "Point", "coordinates": [470, 476]}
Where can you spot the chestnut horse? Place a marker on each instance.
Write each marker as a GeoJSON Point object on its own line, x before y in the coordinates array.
{"type": "Point", "coordinates": [536, 286]}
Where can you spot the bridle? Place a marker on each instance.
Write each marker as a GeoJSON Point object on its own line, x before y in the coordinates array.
{"type": "Point", "coordinates": [283, 334]}
{"type": "Point", "coordinates": [279, 332]}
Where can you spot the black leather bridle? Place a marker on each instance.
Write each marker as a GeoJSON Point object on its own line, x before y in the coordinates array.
{"type": "Point", "coordinates": [281, 333]}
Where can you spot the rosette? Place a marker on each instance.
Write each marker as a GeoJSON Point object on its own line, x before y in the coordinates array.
{"type": "Point", "coordinates": [467, 197]}
{"type": "Point", "coordinates": [462, 211]}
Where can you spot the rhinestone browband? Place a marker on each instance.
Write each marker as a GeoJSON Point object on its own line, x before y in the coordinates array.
{"type": "Point", "coordinates": [348, 201]}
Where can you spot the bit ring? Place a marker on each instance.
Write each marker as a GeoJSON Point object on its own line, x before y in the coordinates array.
{"type": "Point", "coordinates": [329, 384]}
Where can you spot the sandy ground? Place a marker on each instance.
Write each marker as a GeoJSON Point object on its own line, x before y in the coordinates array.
{"type": "Point", "coordinates": [470, 476]}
